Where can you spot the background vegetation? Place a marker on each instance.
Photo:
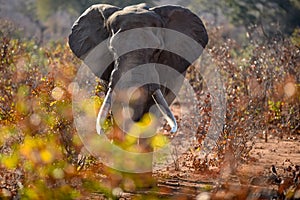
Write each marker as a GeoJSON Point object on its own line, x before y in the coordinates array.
{"type": "Point", "coordinates": [40, 153]}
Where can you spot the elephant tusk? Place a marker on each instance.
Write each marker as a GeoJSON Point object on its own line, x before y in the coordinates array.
{"type": "Point", "coordinates": [105, 107]}
{"type": "Point", "coordinates": [164, 109]}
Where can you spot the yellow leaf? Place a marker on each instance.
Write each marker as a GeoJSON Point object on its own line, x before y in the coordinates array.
{"type": "Point", "coordinates": [159, 141]}
{"type": "Point", "coordinates": [10, 162]}
{"type": "Point", "coordinates": [46, 156]}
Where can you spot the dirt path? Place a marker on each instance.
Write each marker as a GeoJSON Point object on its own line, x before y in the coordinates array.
{"type": "Point", "coordinates": [252, 180]}
{"type": "Point", "coordinates": [279, 152]}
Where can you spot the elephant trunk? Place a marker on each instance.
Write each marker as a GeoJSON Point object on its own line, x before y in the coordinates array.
{"type": "Point", "coordinates": [164, 109]}
{"type": "Point", "coordinates": [158, 99]}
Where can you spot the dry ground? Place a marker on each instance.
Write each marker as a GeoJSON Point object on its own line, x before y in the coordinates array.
{"type": "Point", "coordinates": [250, 180]}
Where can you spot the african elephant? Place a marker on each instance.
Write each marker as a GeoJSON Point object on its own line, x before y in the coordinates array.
{"type": "Point", "coordinates": [104, 22]}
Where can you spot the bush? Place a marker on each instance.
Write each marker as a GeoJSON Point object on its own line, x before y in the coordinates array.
{"type": "Point", "coordinates": [262, 83]}
{"type": "Point", "coordinates": [40, 150]}
{"type": "Point", "coordinates": [38, 145]}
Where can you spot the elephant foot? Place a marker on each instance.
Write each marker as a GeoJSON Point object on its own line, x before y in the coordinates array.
{"type": "Point", "coordinates": [130, 182]}
{"type": "Point", "coordinates": [135, 182]}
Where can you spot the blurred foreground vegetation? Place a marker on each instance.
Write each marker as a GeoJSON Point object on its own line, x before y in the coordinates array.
{"type": "Point", "coordinates": [40, 153]}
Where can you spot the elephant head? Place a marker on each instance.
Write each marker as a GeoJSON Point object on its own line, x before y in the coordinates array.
{"type": "Point", "coordinates": [135, 36]}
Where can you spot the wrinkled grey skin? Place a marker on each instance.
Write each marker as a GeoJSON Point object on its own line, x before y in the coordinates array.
{"type": "Point", "coordinates": [103, 21]}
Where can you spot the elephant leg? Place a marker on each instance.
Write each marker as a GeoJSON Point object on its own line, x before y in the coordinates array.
{"type": "Point", "coordinates": [117, 135]}
{"type": "Point", "coordinates": [169, 96]}
{"type": "Point", "coordinates": [171, 86]}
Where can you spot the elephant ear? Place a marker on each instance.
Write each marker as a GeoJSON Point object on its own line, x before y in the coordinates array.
{"type": "Point", "coordinates": [88, 31]}
{"type": "Point", "coordinates": [181, 20]}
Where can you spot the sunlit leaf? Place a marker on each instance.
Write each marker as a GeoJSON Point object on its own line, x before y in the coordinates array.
{"type": "Point", "coordinates": [10, 161]}
{"type": "Point", "coordinates": [46, 156]}
{"type": "Point", "coordinates": [159, 141]}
